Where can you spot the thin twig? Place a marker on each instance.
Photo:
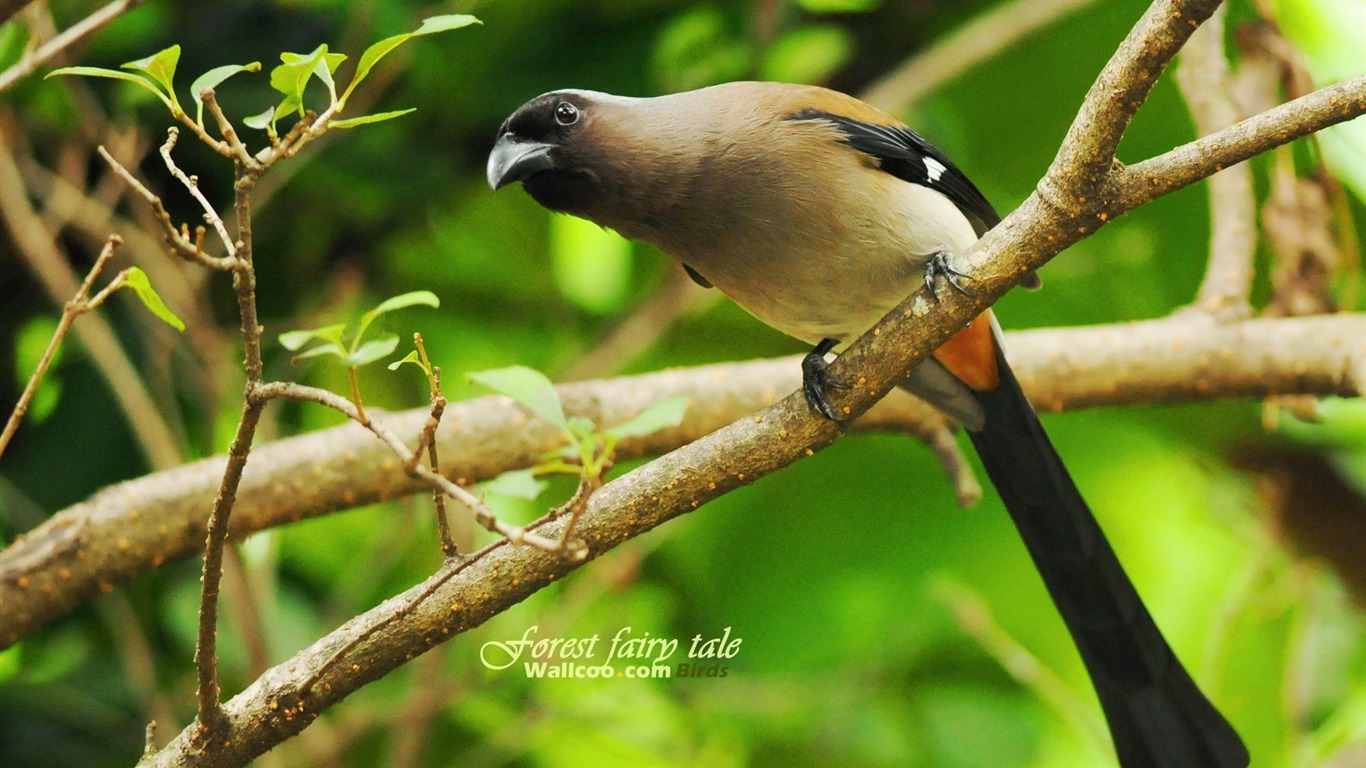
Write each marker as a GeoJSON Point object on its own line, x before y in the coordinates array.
{"type": "Point", "coordinates": [181, 244]}
{"type": "Point", "coordinates": [192, 184]}
{"type": "Point", "coordinates": [38, 248]}
{"type": "Point", "coordinates": [1142, 182]}
{"type": "Point", "coordinates": [78, 305]}
{"type": "Point", "coordinates": [482, 514]}
{"type": "Point", "coordinates": [73, 35]}
{"type": "Point", "coordinates": [1207, 85]}
{"type": "Point", "coordinates": [239, 150]}
{"type": "Point", "coordinates": [428, 438]}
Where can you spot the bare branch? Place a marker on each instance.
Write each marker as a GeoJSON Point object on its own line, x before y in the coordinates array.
{"type": "Point", "coordinates": [181, 244]}
{"type": "Point", "coordinates": [1207, 84]}
{"type": "Point", "coordinates": [77, 306]}
{"type": "Point", "coordinates": [1181, 359]}
{"type": "Point", "coordinates": [1087, 153]}
{"type": "Point", "coordinates": [73, 35]}
{"type": "Point", "coordinates": [1189, 163]}
{"type": "Point", "coordinates": [38, 249]}
{"type": "Point", "coordinates": [192, 184]}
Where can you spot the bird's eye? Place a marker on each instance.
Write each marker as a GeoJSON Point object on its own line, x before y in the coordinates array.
{"type": "Point", "coordinates": [566, 113]}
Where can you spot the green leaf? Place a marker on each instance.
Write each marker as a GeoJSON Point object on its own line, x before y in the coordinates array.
{"type": "Point", "coordinates": [352, 122]}
{"type": "Point", "coordinates": [292, 76]}
{"type": "Point", "coordinates": [528, 387]}
{"type": "Point", "coordinates": [411, 357]}
{"type": "Point", "coordinates": [212, 79]}
{"type": "Point", "coordinates": [401, 301]}
{"type": "Point", "coordinates": [384, 47]}
{"type": "Point", "coordinates": [262, 121]}
{"type": "Point", "coordinates": [582, 427]}
{"type": "Point", "coordinates": [329, 348]}
{"type": "Point", "coordinates": [371, 351]}
{"type": "Point", "coordinates": [160, 66]}
{"type": "Point", "coordinates": [518, 484]}
{"type": "Point", "coordinates": [114, 74]}
{"type": "Point", "coordinates": [137, 280]}
{"type": "Point", "coordinates": [661, 415]}
{"type": "Point", "coordinates": [295, 340]}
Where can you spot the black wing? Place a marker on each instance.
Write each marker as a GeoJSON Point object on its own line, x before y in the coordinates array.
{"type": "Point", "coordinates": [907, 155]}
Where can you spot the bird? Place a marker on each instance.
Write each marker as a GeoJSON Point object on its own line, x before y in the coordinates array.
{"type": "Point", "coordinates": [818, 213]}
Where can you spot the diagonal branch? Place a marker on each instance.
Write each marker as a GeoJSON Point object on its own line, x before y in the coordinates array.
{"type": "Point", "coordinates": [73, 35]}
{"type": "Point", "coordinates": [131, 528]}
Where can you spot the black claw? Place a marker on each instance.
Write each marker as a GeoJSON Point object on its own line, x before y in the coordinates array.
{"type": "Point", "coordinates": [817, 381]}
{"type": "Point", "coordinates": [938, 266]}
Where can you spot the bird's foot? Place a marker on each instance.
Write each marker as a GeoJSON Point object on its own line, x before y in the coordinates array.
{"type": "Point", "coordinates": [939, 266]}
{"type": "Point", "coordinates": [817, 381]}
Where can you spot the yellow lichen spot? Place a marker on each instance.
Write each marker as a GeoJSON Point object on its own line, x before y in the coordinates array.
{"type": "Point", "coordinates": [695, 505]}
{"type": "Point", "coordinates": [740, 476]}
{"type": "Point", "coordinates": [810, 452]}
{"type": "Point", "coordinates": [355, 667]}
{"type": "Point", "coordinates": [22, 582]}
{"type": "Point", "coordinates": [711, 486]}
{"type": "Point", "coordinates": [782, 433]}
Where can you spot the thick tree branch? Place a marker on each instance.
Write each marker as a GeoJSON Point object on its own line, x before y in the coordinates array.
{"type": "Point", "coordinates": [472, 590]}
{"type": "Point", "coordinates": [133, 527]}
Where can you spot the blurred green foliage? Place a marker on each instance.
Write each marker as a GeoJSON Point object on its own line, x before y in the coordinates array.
{"type": "Point", "coordinates": [881, 626]}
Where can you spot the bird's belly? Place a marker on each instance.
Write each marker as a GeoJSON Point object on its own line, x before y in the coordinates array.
{"type": "Point", "coordinates": [813, 295]}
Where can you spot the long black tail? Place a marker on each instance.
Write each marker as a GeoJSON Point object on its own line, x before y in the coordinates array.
{"type": "Point", "coordinates": [1158, 717]}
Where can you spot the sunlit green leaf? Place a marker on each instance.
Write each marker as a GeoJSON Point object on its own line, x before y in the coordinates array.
{"type": "Point", "coordinates": [401, 301]}
{"type": "Point", "coordinates": [528, 387]}
{"type": "Point", "coordinates": [114, 74]}
{"type": "Point", "coordinates": [371, 351]}
{"type": "Point", "coordinates": [411, 357]}
{"type": "Point", "coordinates": [352, 122]}
{"type": "Point", "coordinates": [160, 66]}
{"type": "Point", "coordinates": [336, 350]}
{"type": "Point", "coordinates": [661, 415]}
{"type": "Point", "coordinates": [262, 121]}
{"type": "Point", "coordinates": [212, 79]}
{"type": "Point", "coordinates": [295, 340]}
{"type": "Point", "coordinates": [518, 484]}
{"type": "Point", "coordinates": [291, 77]}
{"type": "Point", "coordinates": [384, 47]}
{"type": "Point", "coordinates": [137, 280]}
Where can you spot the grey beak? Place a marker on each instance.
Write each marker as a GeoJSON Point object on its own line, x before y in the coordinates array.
{"type": "Point", "coordinates": [514, 159]}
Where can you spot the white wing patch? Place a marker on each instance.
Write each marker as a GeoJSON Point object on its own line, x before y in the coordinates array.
{"type": "Point", "coordinates": [933, 168]}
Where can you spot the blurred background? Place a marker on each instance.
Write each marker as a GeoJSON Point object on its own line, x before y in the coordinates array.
{"type": "Point", "coordinates": [881, 625]}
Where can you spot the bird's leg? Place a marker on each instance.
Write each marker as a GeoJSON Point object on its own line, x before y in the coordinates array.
{"type": "Point", "coordinates": [939, 266]}
{"type": "Point", "coordinates": [816, 380]}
